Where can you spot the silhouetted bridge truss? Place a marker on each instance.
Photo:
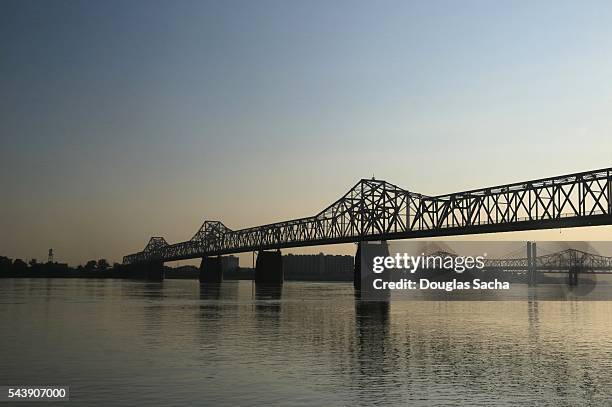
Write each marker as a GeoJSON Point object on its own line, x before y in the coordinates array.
{"type": "Point", "coordinates": [559, 262]}
{"type": "Point", "coordinates": [377, 210]}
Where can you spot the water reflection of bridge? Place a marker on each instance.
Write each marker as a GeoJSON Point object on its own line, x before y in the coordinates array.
{"type": "Point", "coordinates": [404, 349]}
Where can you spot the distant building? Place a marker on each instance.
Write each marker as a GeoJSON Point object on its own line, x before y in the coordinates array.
{"type": "Point", "coordinates": [305, 267]}
{"type": "Point", "coordinates": [229, 263]}
{"type": "Point", "coordinates": [318, 267]}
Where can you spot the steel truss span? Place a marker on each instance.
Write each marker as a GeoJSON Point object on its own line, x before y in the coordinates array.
{"type": "Point", "coordinates": [377, 210]}
{"type": "Point", "coordinates": [556, 262]}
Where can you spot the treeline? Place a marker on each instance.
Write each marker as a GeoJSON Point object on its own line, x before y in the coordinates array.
{"type": "Point", "coordinates": [93, 268]}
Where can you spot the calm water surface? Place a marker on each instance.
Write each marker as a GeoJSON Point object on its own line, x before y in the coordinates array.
{"type": "Point", "coordinates": [130, 343]}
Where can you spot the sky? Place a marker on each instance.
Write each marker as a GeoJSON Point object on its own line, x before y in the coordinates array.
{"type": "Point", "coordinates": [125, 120]}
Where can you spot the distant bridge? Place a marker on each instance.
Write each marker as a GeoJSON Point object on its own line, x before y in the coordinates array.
{"type": "Point", "coordinates": [377, 210]}
{"type": "Point", "coordinates": [559, 262]}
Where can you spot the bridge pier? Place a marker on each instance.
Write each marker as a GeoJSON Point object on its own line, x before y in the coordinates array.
{"type": "Point", "coordinates": [573, 276]}
{"type": "Point", "coordinates": [363, 278]}
{"type": "Point", "coordinates": [269, 268]}
{"type": "Point", "coordinates": [211, 270]}
{"type": "Point", "coordinates": [357, 269]}
{"type": "Point", "coordinates": [532, 266]}
{"type": "Point", "coordinates": [154, 271]}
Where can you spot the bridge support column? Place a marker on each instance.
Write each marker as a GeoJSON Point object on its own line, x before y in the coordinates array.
{"type": "Point", "coordinates": [357, 273]}
{"type": "Point", "coordinates": [573, 276]}
{"type": "Point", "coordinates": [532, 264]}
{"type": "Point", "coordinates": [363, 279]}
{"type": "Point", "coordinates": [154, 271]}
{"type": "Point", "coordinates": [269, 268]}
{"type": "Point", "coordinates": [211, 270]}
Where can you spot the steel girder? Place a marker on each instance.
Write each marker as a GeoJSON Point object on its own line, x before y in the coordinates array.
{"type": "Point", "coordinates": [377, 210]}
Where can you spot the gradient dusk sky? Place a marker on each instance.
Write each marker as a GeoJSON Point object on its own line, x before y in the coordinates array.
{"type": "Point", "coordinates": [120, 120]}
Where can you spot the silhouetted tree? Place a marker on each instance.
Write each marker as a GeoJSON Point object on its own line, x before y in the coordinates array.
{"type": "Point", "coordinates": [19, 266]}
{"type": "Point", "coordinates": [91, 265]}
{"type": "Point", "coordinates": [5, 264]}
{"type": "Point", "coordinates": [102, 265]}
{"type": "Point", "coordinates": [33, 263]}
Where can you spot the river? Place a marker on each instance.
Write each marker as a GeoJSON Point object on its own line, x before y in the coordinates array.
{"type": "Point", "coordinates": [126, 343]}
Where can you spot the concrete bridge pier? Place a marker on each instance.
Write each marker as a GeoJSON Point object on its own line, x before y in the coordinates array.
{"type": "Point", "coordinates": [532, 256]}
{"type": "Point", "coordinates": [364, 277]}
{"type": "Point", "coordinates": [269, 268]}
{"type": "Point", "coordinates": [573, 276]}
{"type": "Point", "coordinates": [357, 273]}
{"type": "Point", "coordinates": [211, 270]}
{"type": "Point", "coordinates": [366, 251]}
{"type": "Point", "coordinates": [154, 270]}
